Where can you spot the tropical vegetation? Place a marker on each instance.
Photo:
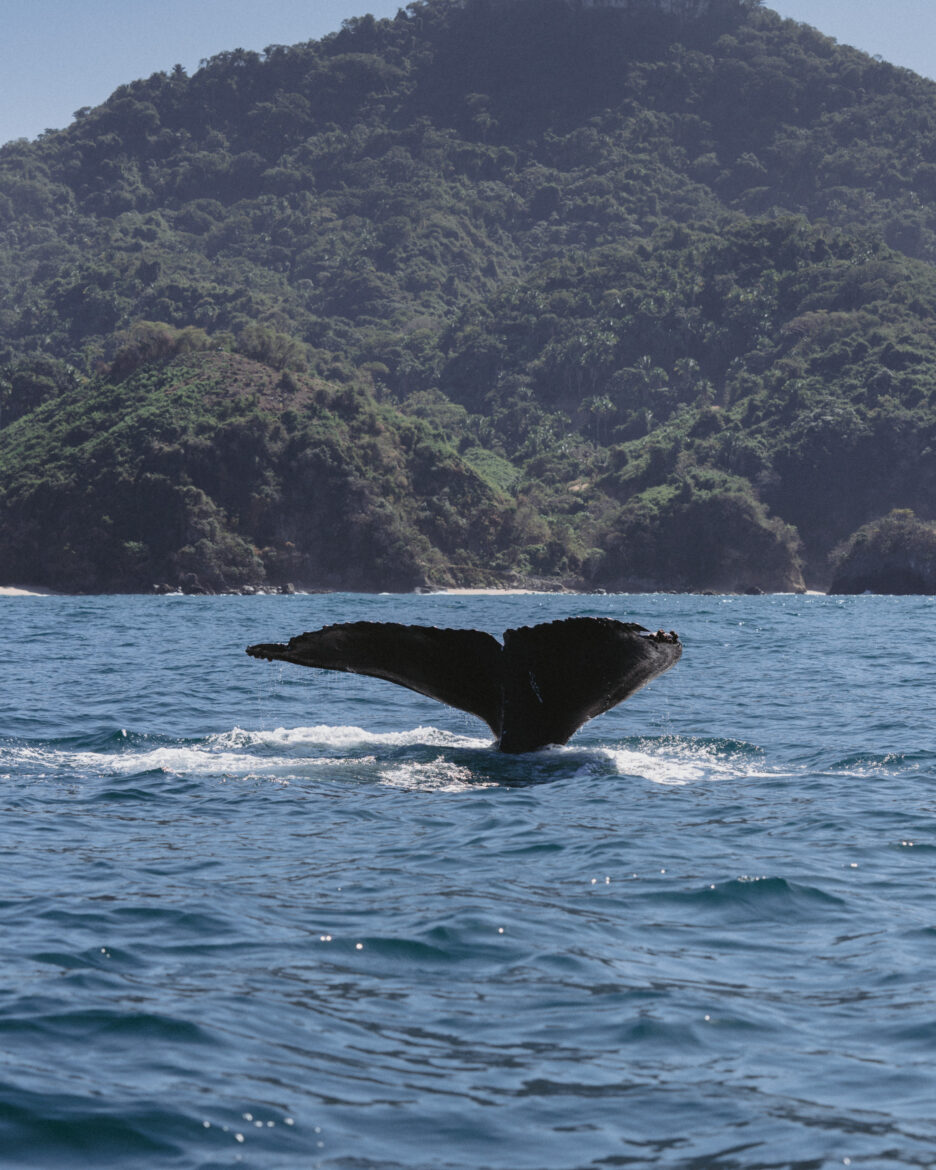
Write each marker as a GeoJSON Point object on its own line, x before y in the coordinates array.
{"type": "Point", "coordinates": [497, 290]}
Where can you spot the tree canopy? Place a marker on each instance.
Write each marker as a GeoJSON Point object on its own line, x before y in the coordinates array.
{"type": "Point", "coordinates": [655, 292]}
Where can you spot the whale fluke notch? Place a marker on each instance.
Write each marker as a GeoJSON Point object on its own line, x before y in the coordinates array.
{"type": "Point", "coordinates": [538, 688]}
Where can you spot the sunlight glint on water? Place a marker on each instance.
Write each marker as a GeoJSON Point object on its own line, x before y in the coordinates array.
{"type": "Point", "coordinates": [266, 916]}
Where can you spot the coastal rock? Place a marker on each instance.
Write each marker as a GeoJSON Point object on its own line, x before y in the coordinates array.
{"type": "Point", "coordinates": [707, 533]}
{"type": "Point", "coordinates": [895, 554]}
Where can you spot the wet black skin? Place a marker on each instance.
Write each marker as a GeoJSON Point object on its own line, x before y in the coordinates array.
{"type": "Point", "coordinates": [536, 688]}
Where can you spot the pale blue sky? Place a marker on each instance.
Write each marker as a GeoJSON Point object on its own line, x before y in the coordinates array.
{"type": "Point", "coordinates": [59, 55]}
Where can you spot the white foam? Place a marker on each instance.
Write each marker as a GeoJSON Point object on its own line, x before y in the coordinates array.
{"type": "Point", "coordinates": [345, 737]}
{"type": "Point", "coordinates": [176, 761]}
{"type": "Point", "coordinates": [678, 763]}
{"type": "Point", "coordinates": [236, 753]}
{"type": "Point", "coordinates": [291, 752]}
{"type": "Point", "coordinates": [439, 775]}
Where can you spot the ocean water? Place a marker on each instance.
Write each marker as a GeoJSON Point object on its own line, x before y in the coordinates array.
{"type": "Point", "coordinates": [255, 915]}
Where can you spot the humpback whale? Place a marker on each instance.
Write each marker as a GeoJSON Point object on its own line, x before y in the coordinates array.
{"type": "Point", "coordinates": [536, 688]}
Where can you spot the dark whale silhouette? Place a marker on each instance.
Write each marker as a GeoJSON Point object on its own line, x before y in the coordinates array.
{"type": "Point", "coordinates": [538, 688]}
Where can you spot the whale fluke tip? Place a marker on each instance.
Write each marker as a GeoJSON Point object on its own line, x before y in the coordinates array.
{"type": "Point", "coordinates": [266, 650]}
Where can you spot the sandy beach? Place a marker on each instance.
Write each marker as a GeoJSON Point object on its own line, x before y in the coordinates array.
{"type": "Point", "coordinates": [483, 592]}
{"type": "Point", "coordinates": [15, 591]}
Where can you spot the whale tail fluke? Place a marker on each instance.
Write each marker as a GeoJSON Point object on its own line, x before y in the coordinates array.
{"type": "Point", "coordinates": [559, 675]}
{"type": "Point", "coordinates": [536, 689]}
{"type": "Point", "coordinates": [457, 667]}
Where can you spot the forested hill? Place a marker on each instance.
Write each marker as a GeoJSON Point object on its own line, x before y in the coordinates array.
{"type": "Point", "coordinates": [505, 288]}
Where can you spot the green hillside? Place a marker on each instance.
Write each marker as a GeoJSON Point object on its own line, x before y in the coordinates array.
{"type": "Point", "coordinates": [495, 290]}
{"type": "Point", "coordinates": [213, 470]}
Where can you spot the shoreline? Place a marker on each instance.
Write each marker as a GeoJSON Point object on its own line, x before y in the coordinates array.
{"type": "Point", "coordinates": [467, 591]}
{"type": "Point", "coordinates": [490, 591]}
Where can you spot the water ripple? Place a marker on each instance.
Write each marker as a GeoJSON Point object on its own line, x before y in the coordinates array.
{"type": "Point", "coordinates": [277, 919]}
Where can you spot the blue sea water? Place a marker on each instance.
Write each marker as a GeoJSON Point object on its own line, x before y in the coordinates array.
{"type": "Point", "coordinates": [260, 916]}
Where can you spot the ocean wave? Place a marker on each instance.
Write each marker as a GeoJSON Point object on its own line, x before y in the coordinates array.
{"type": "Point", "coordinates": [769, 897]}
{"type": "Point", "coordinates": [676, 761]}
{"type": "Point", "coordinates": [457, 763]}
{"type": "Point", "coordinates": [438, 775]}
{"type": "Point", "coordinates": [42, 1130]}
{"type": "Point", "coordinates": [344, 737]}
{"type": "Point", "coordinates": [865, 764]}
{"type": "Point", "coordinates": [277, 755]}
{"type": "Point", "coordinates": [182, 760]}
